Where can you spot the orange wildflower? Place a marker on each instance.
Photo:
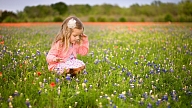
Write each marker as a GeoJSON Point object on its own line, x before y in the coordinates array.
{"type": "Point", "coordinates": [2, 43]}
{"type": "Point", "coordinates": [115, 46]}
{"type": "Point", "coordinates": [1, 74]}
{"type": "Point", "coordinates": [38, 73]}
{"type": "Point", "coordinates": [52, 84]}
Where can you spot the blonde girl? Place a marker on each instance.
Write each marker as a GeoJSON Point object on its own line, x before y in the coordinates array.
{"type": "Point", "coordinates": [70, 41]}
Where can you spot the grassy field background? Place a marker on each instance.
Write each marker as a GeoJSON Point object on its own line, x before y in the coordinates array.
{"type": "Point", "coordinates": [130, 65]}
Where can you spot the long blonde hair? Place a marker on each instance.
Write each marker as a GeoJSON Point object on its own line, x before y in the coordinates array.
{"type": "Point", "coordinates": [65, 32]}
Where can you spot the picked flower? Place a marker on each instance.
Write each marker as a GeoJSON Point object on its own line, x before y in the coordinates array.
{"type": "Point", "coordinates": [71, 23]}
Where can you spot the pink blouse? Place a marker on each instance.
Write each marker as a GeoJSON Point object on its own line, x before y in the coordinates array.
{"type": "Point", "coordinates": [55, 51]}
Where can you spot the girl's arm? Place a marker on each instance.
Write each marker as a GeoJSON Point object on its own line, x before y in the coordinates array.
{"type": "Point", "coordinates": [53, 53]}
{"type": "Point", "coordinates": [84, 46]}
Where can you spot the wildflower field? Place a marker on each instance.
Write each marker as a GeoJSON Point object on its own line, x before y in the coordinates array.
{"type": "Point", "coordinates": [128, 66]}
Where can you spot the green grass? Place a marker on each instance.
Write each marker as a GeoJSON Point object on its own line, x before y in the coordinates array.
{"type": "Point", "coordinates": [126, 68]}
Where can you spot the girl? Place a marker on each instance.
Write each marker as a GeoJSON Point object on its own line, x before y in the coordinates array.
{"type": "Point", "coordinates": [69, 42]}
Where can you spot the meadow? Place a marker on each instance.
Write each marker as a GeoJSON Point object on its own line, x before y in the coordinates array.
{"type": "Point", "coordinates": [128, 66]}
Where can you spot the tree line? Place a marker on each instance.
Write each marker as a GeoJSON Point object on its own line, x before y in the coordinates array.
{"type": "Point", "coordinates": [157, 11]}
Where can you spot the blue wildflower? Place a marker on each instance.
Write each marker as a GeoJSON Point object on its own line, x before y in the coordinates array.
{"type": "Point", "coordinates": [171, 70]}
{"type": "Point", "coordinates": [27, 103]}
{"type": "Point", "coordinates": [85, 81]}
{"type": "Point", "coordinates": [149, 63]}
{"type": "Point", "coordinates": [122, 96]}
{"type": "Point", "coordinates": [136, 62]}
{"type": "Point", "coordinates": [68, 77]}
{"type": "Point", "coordinates": [129, 74]}
{"type": "Point", "coordinates": [114, 92]}
{"type": "Point", "coordinates": [189, 93]}
{"type": "Point", "coordinates": [16, 93]}
{"type": "Point", "coordinates": [151, 71]}
{"type": "Point", "coordinates": [96, 61]}
{"type": "Point", "coordinates": [145, 95]}
{"type": "Point", "coordinates": [149, 105]}
{"type": "Point", "coordinates": [44, 80]}
{"type": "Point", "coordinates": [158, 102]}
{"type": "Point", "coordinates": [38, 52]}
{"type": "Point", "coordinates": [165, 98]}
{"type": "Point", "coordinates": [10, 99]}
{"type": "Point", "coordinates": [123, 69]}
{"type": "Point", "coordinates": [164, 70]}
{"type": "Point", "coordinates": [57, 80]}
{"type": "Point", "coordinates": [141, 102]}
{"type": "Point", "coordinates": [90, 86]}
{"type": "Point", "coordinates": [146, 76]}
{"type": "Point", "coordinates": [85, 72]}
{"type": "Point", "coordinates": [39, 92]}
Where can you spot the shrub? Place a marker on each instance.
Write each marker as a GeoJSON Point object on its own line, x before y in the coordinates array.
{"type": "Point", "coordinates": [101, 19]}
{"type": "Point", "coordinates": [91, 19]}
{"type": "Point", "coordinates": [10, 19]}
{"type": "Point", "coordinates": [122, 19]}
{"type": "Point", "coordinates": [57, 19]}
{"type": "Point", "coordinates": [168, 17]}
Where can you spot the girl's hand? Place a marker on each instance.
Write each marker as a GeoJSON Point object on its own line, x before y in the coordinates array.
{"type": "Point", "coordinates": [83, 35]}
{"type": "Point", "coordinates": [56, 59]}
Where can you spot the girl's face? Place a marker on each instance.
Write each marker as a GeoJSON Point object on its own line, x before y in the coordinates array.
{"type": "Point", "coordinates": [75, 36]}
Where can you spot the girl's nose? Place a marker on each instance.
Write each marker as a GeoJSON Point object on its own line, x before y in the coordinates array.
{"type": "Point", "coordinates": [77, 37]}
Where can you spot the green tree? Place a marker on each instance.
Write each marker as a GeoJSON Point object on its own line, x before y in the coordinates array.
{"type": "Point", "coordinates": [39, 11]}
{"type": "Point", "coordinates": [9, 15]}
{"type": "Point", "coordinates": [81, 10]}
{"type": "Point", "coordinates": [61, 7]}
{"type": "Point", "coordinates": [186, 7]}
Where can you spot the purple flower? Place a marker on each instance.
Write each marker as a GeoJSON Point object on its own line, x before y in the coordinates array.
{"type": "Point", "coordinates": [165, 98]}
{"type": "Point", "coordinates": [149, 105]}
{"type": "Point", "coordinates": [123, 69]}
{"type": "Point", "coordinates": [85, 81]}
{"type": "Point", "coordinates": [27, 103]}
{"type": "Point", "coordinates": [57, 80]}
{"type": "Point", "coordinates": [122, 96]}
{"type": "Point", "coordinates": [44, 80]}
{"type": "Point", "coordinates": [164, 70]}
{"type": "Point", "coordinates": [146, 76]}
{"type": "Point", "coordinates": [96, 61]}
{"type": "Point", "coordinates": [38, 52]}
{"type": "Point", "coordinates": [39, 92]}
{"type": "Point", "coordinates": [129, 74]}
{"type": "Point", "coordinates": [85, 72]}
{"type": "Point", "coordinates": [136, 62]}
{"type": "Point", "coordinates": [145, 95]}
{"type": "Point", "coordinates": [114, 92]}
{"type": "Point", "coordinates": [68, 77]}
{"type": "Point", "coordinates": [171, 70]}
{"type": "Point", "coordinates": [16, 93]}
{"type": "Point", "coordinates": [151, 71]}
{"type": "Point", "coordinates": [141, 103]}
{"type": "Point", "coordinates": [149, 63]}
{"type": "Point", "coordinates": [158, 102]}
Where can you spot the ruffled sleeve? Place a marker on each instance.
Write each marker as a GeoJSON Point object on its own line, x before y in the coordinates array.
{"type": "Point", "coordinates": [83, 48]}
{"type": "Point", "coordinates": [53, 52]}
